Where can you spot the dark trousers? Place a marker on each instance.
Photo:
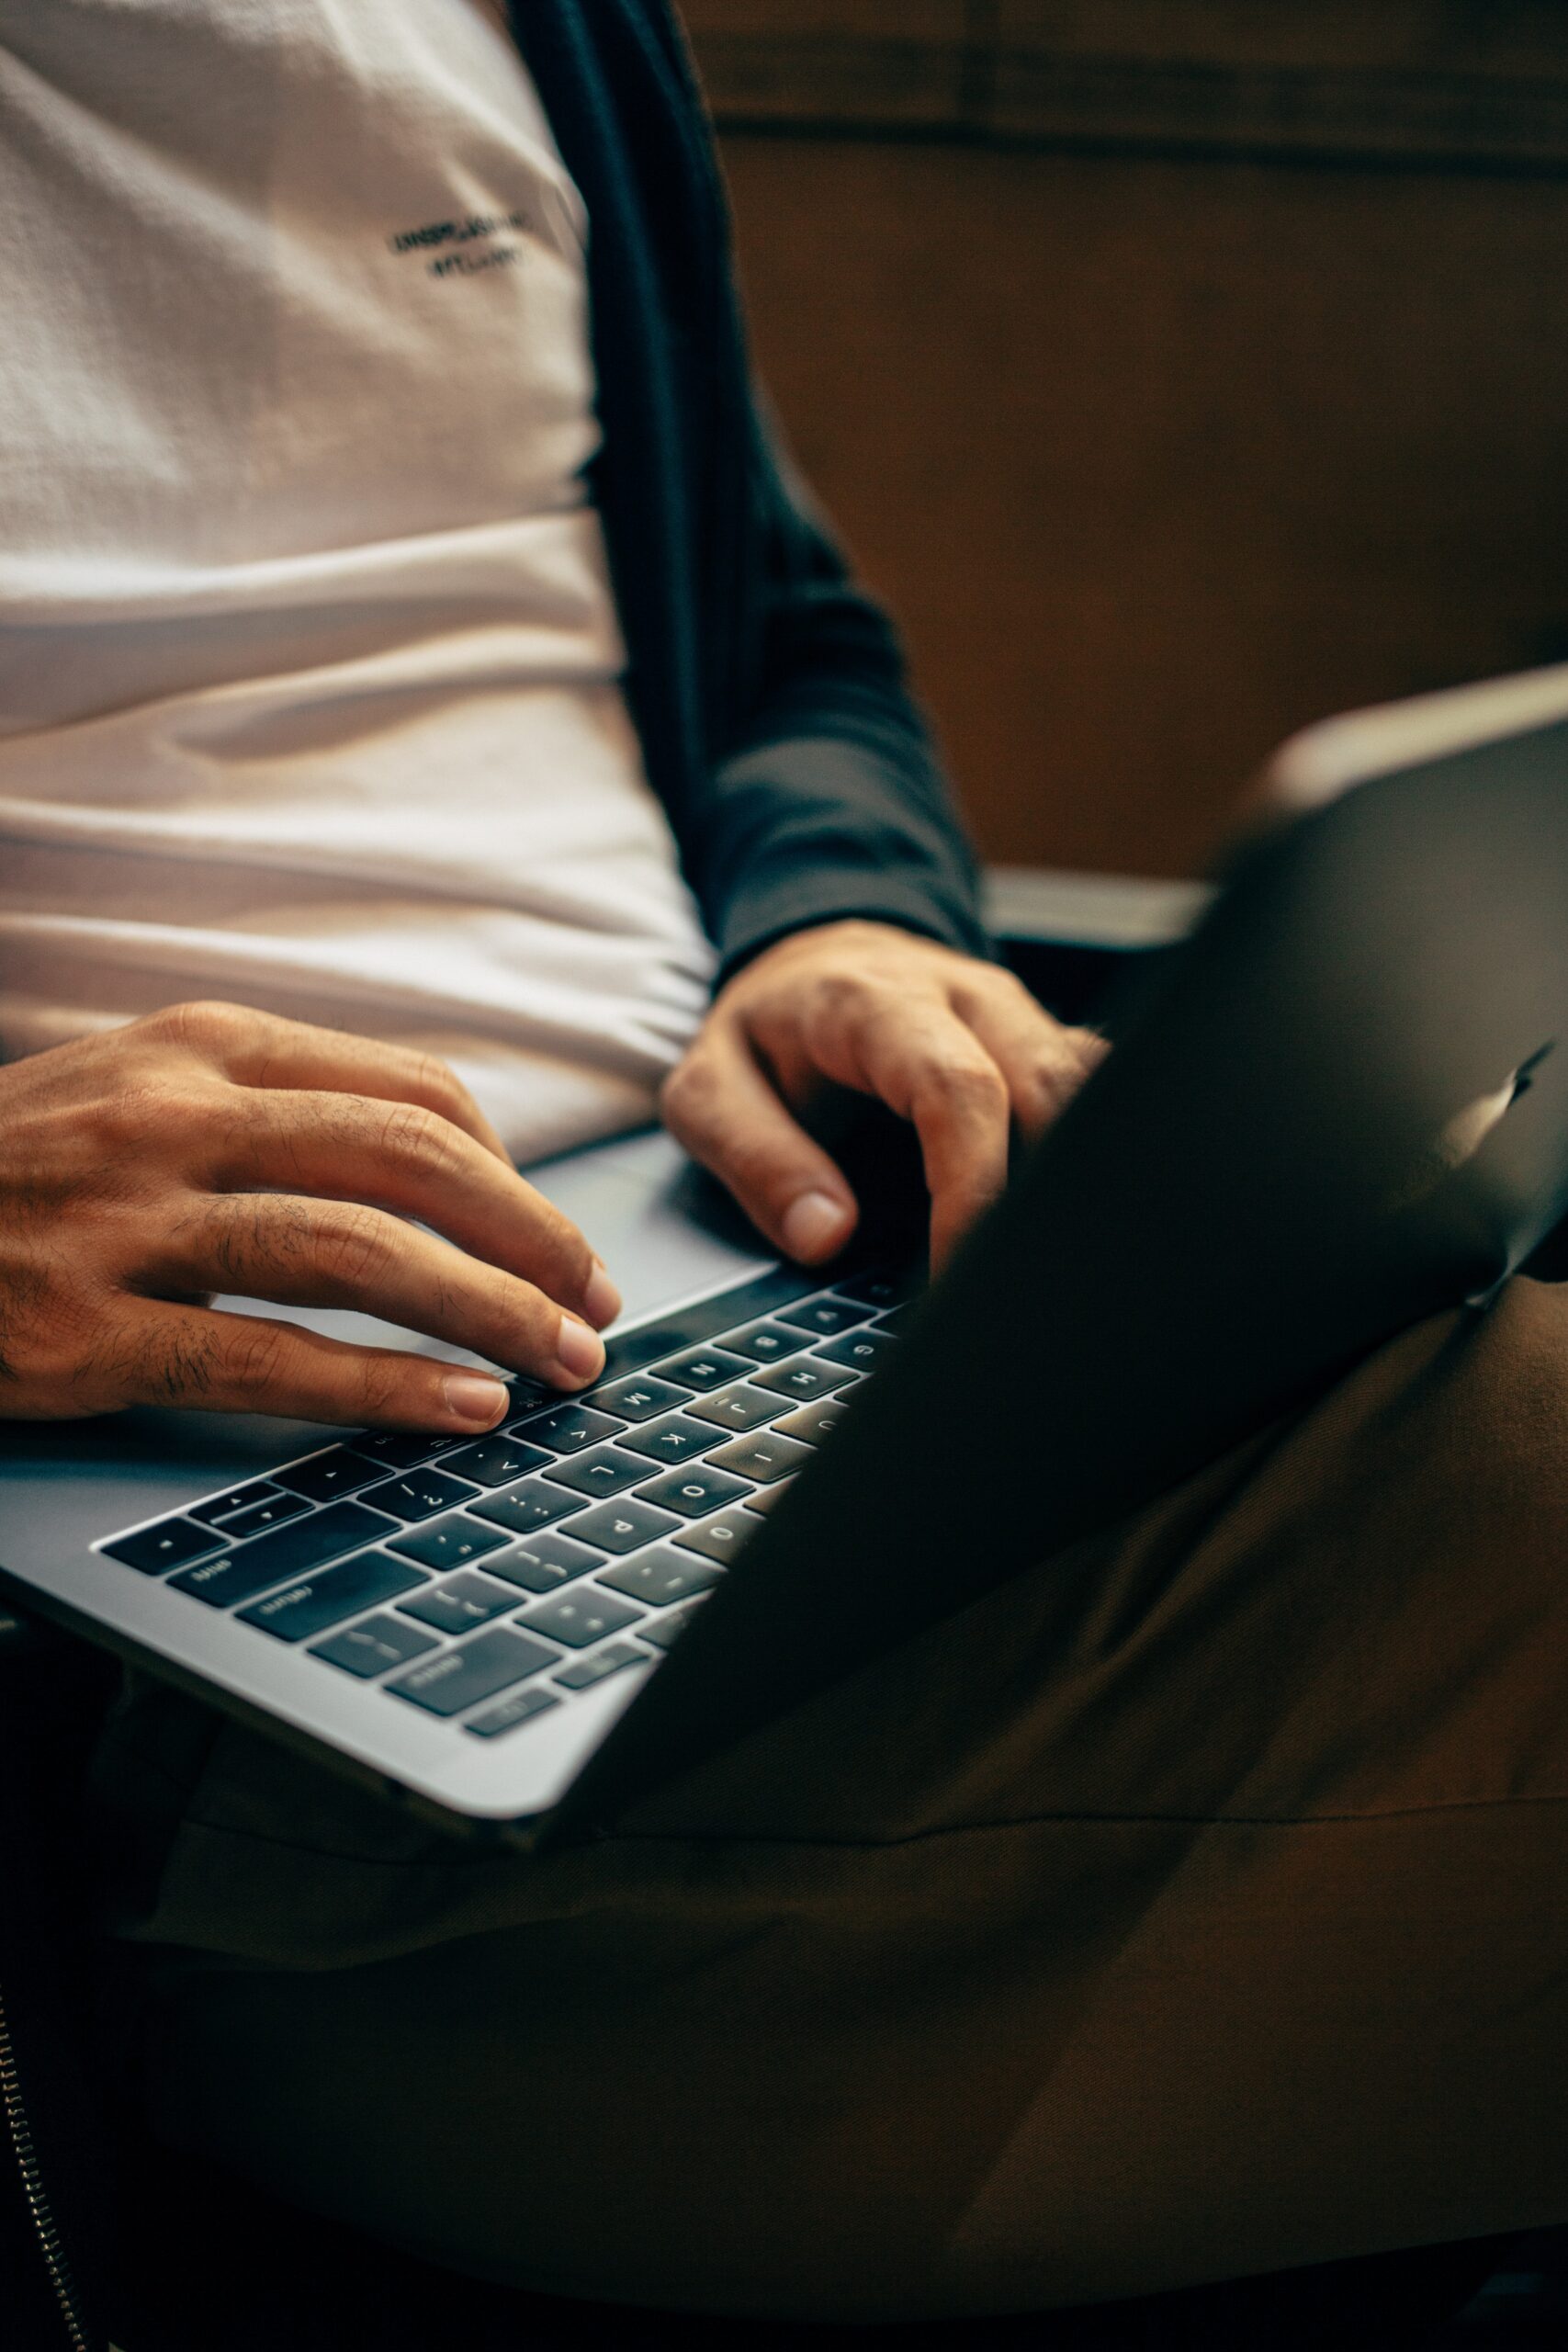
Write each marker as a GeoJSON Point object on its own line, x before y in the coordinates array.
{"type": "Point", "coordinates": [1194, 1905]}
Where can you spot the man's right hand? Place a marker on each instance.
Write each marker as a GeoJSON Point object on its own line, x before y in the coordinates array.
{"type": "Point", "coordinates": [211, 1148]}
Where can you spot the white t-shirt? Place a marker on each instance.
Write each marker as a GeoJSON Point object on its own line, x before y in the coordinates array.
{"type": "Point", "coordinates": [309, 668]}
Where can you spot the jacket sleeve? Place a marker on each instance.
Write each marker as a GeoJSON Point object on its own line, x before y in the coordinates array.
{"type": "Point", "coordinates": [829, 800]}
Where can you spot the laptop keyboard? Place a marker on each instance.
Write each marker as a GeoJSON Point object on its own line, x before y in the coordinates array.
{"type": "Point", "coordinates": [489, 1581]}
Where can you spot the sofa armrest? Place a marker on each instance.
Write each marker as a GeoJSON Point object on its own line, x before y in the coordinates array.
{"type": "Point", "coordinates": [1069, 937]}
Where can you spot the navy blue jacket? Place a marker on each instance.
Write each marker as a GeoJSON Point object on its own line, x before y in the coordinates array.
{"type": "Point", "coordinates": [768, 689]}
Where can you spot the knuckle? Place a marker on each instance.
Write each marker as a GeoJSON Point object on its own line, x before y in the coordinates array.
{"type": "Point", "coordinates": [352, 1247]}
{"type": "Point", "coordinates": [983, 988]}
{"type": "Point", "coordinates": [572, 1250]}
{"type": "Point", "coordinates": [433, 1077]}
{"type": "Point", "coordinates": [1046, 1088]}
{"type": "Point", "coordinates": [411, 1132]}
{"type": "Point", "coordinates": [52, 1311]}
{"type": "Point", "coordinates": [257, 1354]}
{"type": "Point", "coordinates": [969, 1089]}
{"type": "Point", "coordinates": [844, 997]}
{"type": "Point", "coordinates": [107, 1363]}
{"type": "Point", "coordinates": [690, 1091]}
{"type": "Point", "coordinates": [383, 1385]}
{"type": "Point", "coordinates": [183, 1367]}
{"type": "Point", "coordinates": [227, 1242]}
{"type": "Point", "coordinates": [53, 1346]}
{"type": "Point", "coordinates": [154, 1363]}
{"type": "Point", "coordinates": [206, 1025]}
{"type": "Point", "coordinates": [1058, 1076]}
{"type": "Point", "coordinates": [516, 1307]}
{"type": "Point", "coordinates": [558, 1250]}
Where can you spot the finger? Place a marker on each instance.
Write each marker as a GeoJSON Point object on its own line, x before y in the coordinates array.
{"type": "Point", "coordinates": [928, 1066]}
{"type": "Point", "coordinates": [1044, 1063]}
{"type": "Point", "coordinates": [242, 1364]}
{"type": "Point", "coordinates": [262, 1050]}
{"type": "Point", "coordinates": [400, 1157]}
{"type": "Point", "coordinates": [720, 1106]}
{"type": "Point", "coordinates": [337, 1253]}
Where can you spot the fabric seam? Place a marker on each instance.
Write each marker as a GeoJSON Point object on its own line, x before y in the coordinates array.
{"type": "Point", "coordinates": [893, 1845]}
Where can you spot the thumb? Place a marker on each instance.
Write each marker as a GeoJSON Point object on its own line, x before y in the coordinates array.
{"type": "Point", "coordinates": [721, 1107]}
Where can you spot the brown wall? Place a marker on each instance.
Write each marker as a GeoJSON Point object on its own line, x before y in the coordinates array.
{"type": "Point", "coordinates": [1160, 441]}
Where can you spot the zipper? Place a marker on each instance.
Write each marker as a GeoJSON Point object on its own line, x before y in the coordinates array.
{"type": "Point", "coordinates": [45, 2227]}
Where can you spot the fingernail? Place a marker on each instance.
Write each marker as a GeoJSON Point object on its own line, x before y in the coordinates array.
{"type": "Point", "coordinates": [601, 1300]}
{"type": "Point", "coordinates": [472, 1399]}
{"type": "Point", "coordinates": [814, 1225]}
{"type": "Point", "coordinates": [578, 1349]}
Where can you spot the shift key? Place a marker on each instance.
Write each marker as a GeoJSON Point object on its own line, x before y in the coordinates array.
{"type": "Point", "coordinates": [471, 1670]}
{"type": "Point", "coordinates": [285, 1552]}
{"type": "Point", "coordinates": [302, 1611]}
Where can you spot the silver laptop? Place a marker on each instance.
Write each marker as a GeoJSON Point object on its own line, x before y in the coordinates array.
{"type": "Point", "coordinates": [1341, 1105]}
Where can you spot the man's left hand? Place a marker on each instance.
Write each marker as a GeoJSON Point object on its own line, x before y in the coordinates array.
{"type": "Point", "coordinates": [958, 1047]}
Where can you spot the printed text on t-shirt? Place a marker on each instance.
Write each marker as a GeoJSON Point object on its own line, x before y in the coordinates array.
{"type": "Point", "coordinates": [449, 243]}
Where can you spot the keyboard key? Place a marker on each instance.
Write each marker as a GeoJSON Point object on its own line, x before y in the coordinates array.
{"type": "Point", "coordinates": [692, 1492]}
{"type": "Point", "coordinates": [419, 1494]}
{"type": "Point", "coordinates": [569, 1428]}
{"type": "Point", "coordinates": [826, 1317]}
{"type": "Point", "coordinates": [494, 1460]}
{"type": "Point", "coordinates": [221, 1506]}
{"type": "Point", "coordinates": [507, 1713]}
{"type": "Point", "coordinates": [326, 1476]}
{"type": "Point", "coordinates": [807, 1379]}
{"type": "Point", "coordinates": [170, 1545]}
{"type": "Point", "coordinates": [861, 1351]}
{"type": "Point", "coordinates": [456, 1678]}
{"type": "Point", "coordinates": [461, 1603]}
{"type": "Point", "coordinates": [527, 1395]}
{"type": "Point", "coordinates": [813, 1423]}
{"type": "Point", "coordinates": [447, 1542]}
{"type": "Point", "coordinates": [665, 1632]}
{"type": "Point", "coordinates": [661, 1577]}
{"type": "Point", "coordinates": [527, 1507]}
{"type": "Point", "coordinates": [641, 1397]}
{"type": "Point", "coordinates": [542, 1565]}
{"type": "Point", "coordinates": [623, 1526]}
{"type": "Point", "coordinates": [300, 1610]}
{"type": "Point", "coordinates": [896, 1317]}
{"type": "Point", "coordinates": [581, 1617]}
{"type": "Point", "coordinates": [718, 1539]}
{"type": "Point", "coordinates": [761, 1499]}
{"type": "Point", "coordinates": [738, 1409]}
{"type": "Point", "coordinates": [765, 1457]}
{"type": "Point", "coordinates": [285, 1552]}
{"type": "Point", "coordinates": [586, 1670]}
{"type": "Point", "coordinates": [881, 1287]}
{"type": "Point", "coordinates": [373, 1646]}
{"type": "Point", "coordinates": [764, 1342]}
{"type": "Point", "coordinates": [270, 1514]}
{"type": "Point", "coordinates": [399, 1449]}
{"type": "Point", "coordinates": [675, 1439]}
{"type": "Point", "coordinates": [706, 1368]}
{"type": "Point", "coordinates": [603, 1472]}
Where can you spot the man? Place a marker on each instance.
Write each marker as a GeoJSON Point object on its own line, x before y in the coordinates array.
{"type": "Point", "coordinates": [319, 705]}
{"type": "Point", "coordinates": [352, 745]}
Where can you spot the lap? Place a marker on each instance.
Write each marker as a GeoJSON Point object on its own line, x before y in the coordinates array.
{"type": "Point", "coordinates": [1194, 1903]}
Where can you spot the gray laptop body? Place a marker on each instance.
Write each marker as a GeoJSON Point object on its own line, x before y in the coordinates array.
{"type": "Point", "coordinates": [1341, 1105]}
